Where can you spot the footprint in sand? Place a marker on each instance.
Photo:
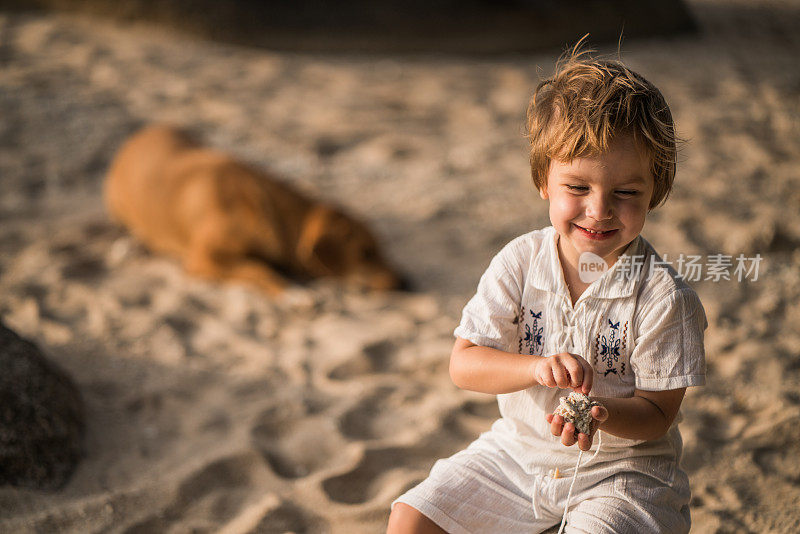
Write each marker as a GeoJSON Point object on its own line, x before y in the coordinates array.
{"type": "Point", "coordinates": [778, 461]}
{"type": "Point", "coordinates": [287, 517]}
{"type": "Point", "coordinates": [213, 495]}
{"type": "Point", "coordinates": [182, 325]}
{"type": "Point", "coordinates": [381, 413]}
{"type": "Point", "coordinates": [779, 457]}
{"type": "Point", "coordinates": [364, 481]}
{"type": "Point", "coordinates": [290, 442]}
{"type": "Point", "coordinates": [84, 269]}
{"type": "Point", "coordinates": [374, 358]}
{"type": "Point", "coordinates": [82, 252]}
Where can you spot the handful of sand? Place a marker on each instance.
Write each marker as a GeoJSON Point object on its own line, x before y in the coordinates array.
{"type": "Point", "coordinates": [577, 409]}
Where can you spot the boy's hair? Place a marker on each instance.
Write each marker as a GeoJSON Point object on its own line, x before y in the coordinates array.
{"type": "Point", "coordinates": [585, 104]}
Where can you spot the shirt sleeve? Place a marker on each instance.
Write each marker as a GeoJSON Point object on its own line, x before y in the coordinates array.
{"type": "Point", "coordinates": [490, 318]}
{"type": "Point", "coordinates": [669, 352]}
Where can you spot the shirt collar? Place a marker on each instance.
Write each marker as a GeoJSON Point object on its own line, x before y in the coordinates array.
{"type": "Point", "coordinates": [618, 282]}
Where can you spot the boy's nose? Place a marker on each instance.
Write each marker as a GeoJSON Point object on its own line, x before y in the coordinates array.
{"type": "Point", "coordinates": [599, 208]}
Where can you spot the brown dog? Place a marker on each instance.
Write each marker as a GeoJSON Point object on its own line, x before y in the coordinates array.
{"type": "Point", "coordinates": [228, 221]}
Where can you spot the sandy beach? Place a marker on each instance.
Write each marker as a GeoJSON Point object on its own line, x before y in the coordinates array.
{"type": "Point", "coordinates": [211, 408]}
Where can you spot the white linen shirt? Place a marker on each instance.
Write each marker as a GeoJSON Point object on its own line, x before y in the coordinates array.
{"type": "Point", "coordinates": [638, 328]}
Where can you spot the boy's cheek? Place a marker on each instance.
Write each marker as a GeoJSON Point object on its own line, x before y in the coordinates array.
{"type": "Point", "coordinates": [565, 201]}
{"type": "Point", "coordinates": [563, 211]}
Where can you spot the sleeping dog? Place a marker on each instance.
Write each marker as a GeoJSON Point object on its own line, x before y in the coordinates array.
{"type": "Point", "coordinates": [228, 221]}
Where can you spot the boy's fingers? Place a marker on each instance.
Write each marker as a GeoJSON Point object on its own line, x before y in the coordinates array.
{"type": "Point", "coordinates": [568, 435]}
{"type": "Point", "coordinates": [548, 380]}
{"type": "Point", "coordinates": [556, 425]}
{"type": "Point", "coordinates": [575, 370]}
{"type": "Point", "coordinates": [560, 375]}
{"type": "Point", "coordinates": [600, 413]}
{"type": "Point", "coordinates": [584, 442]}
{"type": "Point", "coordinates": [588, 376]}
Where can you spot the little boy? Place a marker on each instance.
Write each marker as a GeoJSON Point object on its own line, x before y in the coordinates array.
{"type": "Point", "coordinates": [603, 154]}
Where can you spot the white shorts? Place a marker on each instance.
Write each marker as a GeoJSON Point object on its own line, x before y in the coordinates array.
{"type": "Point", "coordinates": [482, 489]}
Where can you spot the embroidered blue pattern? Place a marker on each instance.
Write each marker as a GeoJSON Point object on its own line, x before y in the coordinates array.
{"type": "Point", "coordinates": [608, 349]}
{"type": "Point", "coordinates": [533, 333]}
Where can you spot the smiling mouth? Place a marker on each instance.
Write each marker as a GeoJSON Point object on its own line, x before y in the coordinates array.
{"type": "Point", "coordinates": [596, 234]}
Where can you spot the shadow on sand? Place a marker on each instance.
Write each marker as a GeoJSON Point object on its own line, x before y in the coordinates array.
{"type": "Point", "coordinates": [412, 26]}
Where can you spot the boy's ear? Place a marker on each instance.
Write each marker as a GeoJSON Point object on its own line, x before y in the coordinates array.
{"type": "Point", "coordinates": [543, 193]}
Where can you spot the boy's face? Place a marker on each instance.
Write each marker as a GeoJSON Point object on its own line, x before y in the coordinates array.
{"type": "Point", "coordinates": [598, 204]}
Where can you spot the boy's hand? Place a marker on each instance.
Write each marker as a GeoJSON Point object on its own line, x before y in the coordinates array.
{"type": "Point", "coordinates": [567, 430]}
{"type": "Point", "coordinates": [564, 370]}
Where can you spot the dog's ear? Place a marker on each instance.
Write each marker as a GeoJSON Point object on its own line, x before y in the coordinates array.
{"type": "Point", "coordinates": [319, 248]}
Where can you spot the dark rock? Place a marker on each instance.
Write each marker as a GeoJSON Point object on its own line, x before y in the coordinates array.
{"type": "Point", "coordinates": [41, 417]}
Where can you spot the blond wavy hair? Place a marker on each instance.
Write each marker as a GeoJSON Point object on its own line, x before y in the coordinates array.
{"type": "Point", "coordinates": [588, 102]}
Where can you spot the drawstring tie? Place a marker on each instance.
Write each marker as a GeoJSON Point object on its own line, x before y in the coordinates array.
{"type": "Point", "coordinates": [574, 477]}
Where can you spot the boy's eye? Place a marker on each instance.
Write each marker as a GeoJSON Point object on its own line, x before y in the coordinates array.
{"type": "Point", "coordinates": [627, 192]}
{"type": "Point", "coordinates": [577, 188]}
